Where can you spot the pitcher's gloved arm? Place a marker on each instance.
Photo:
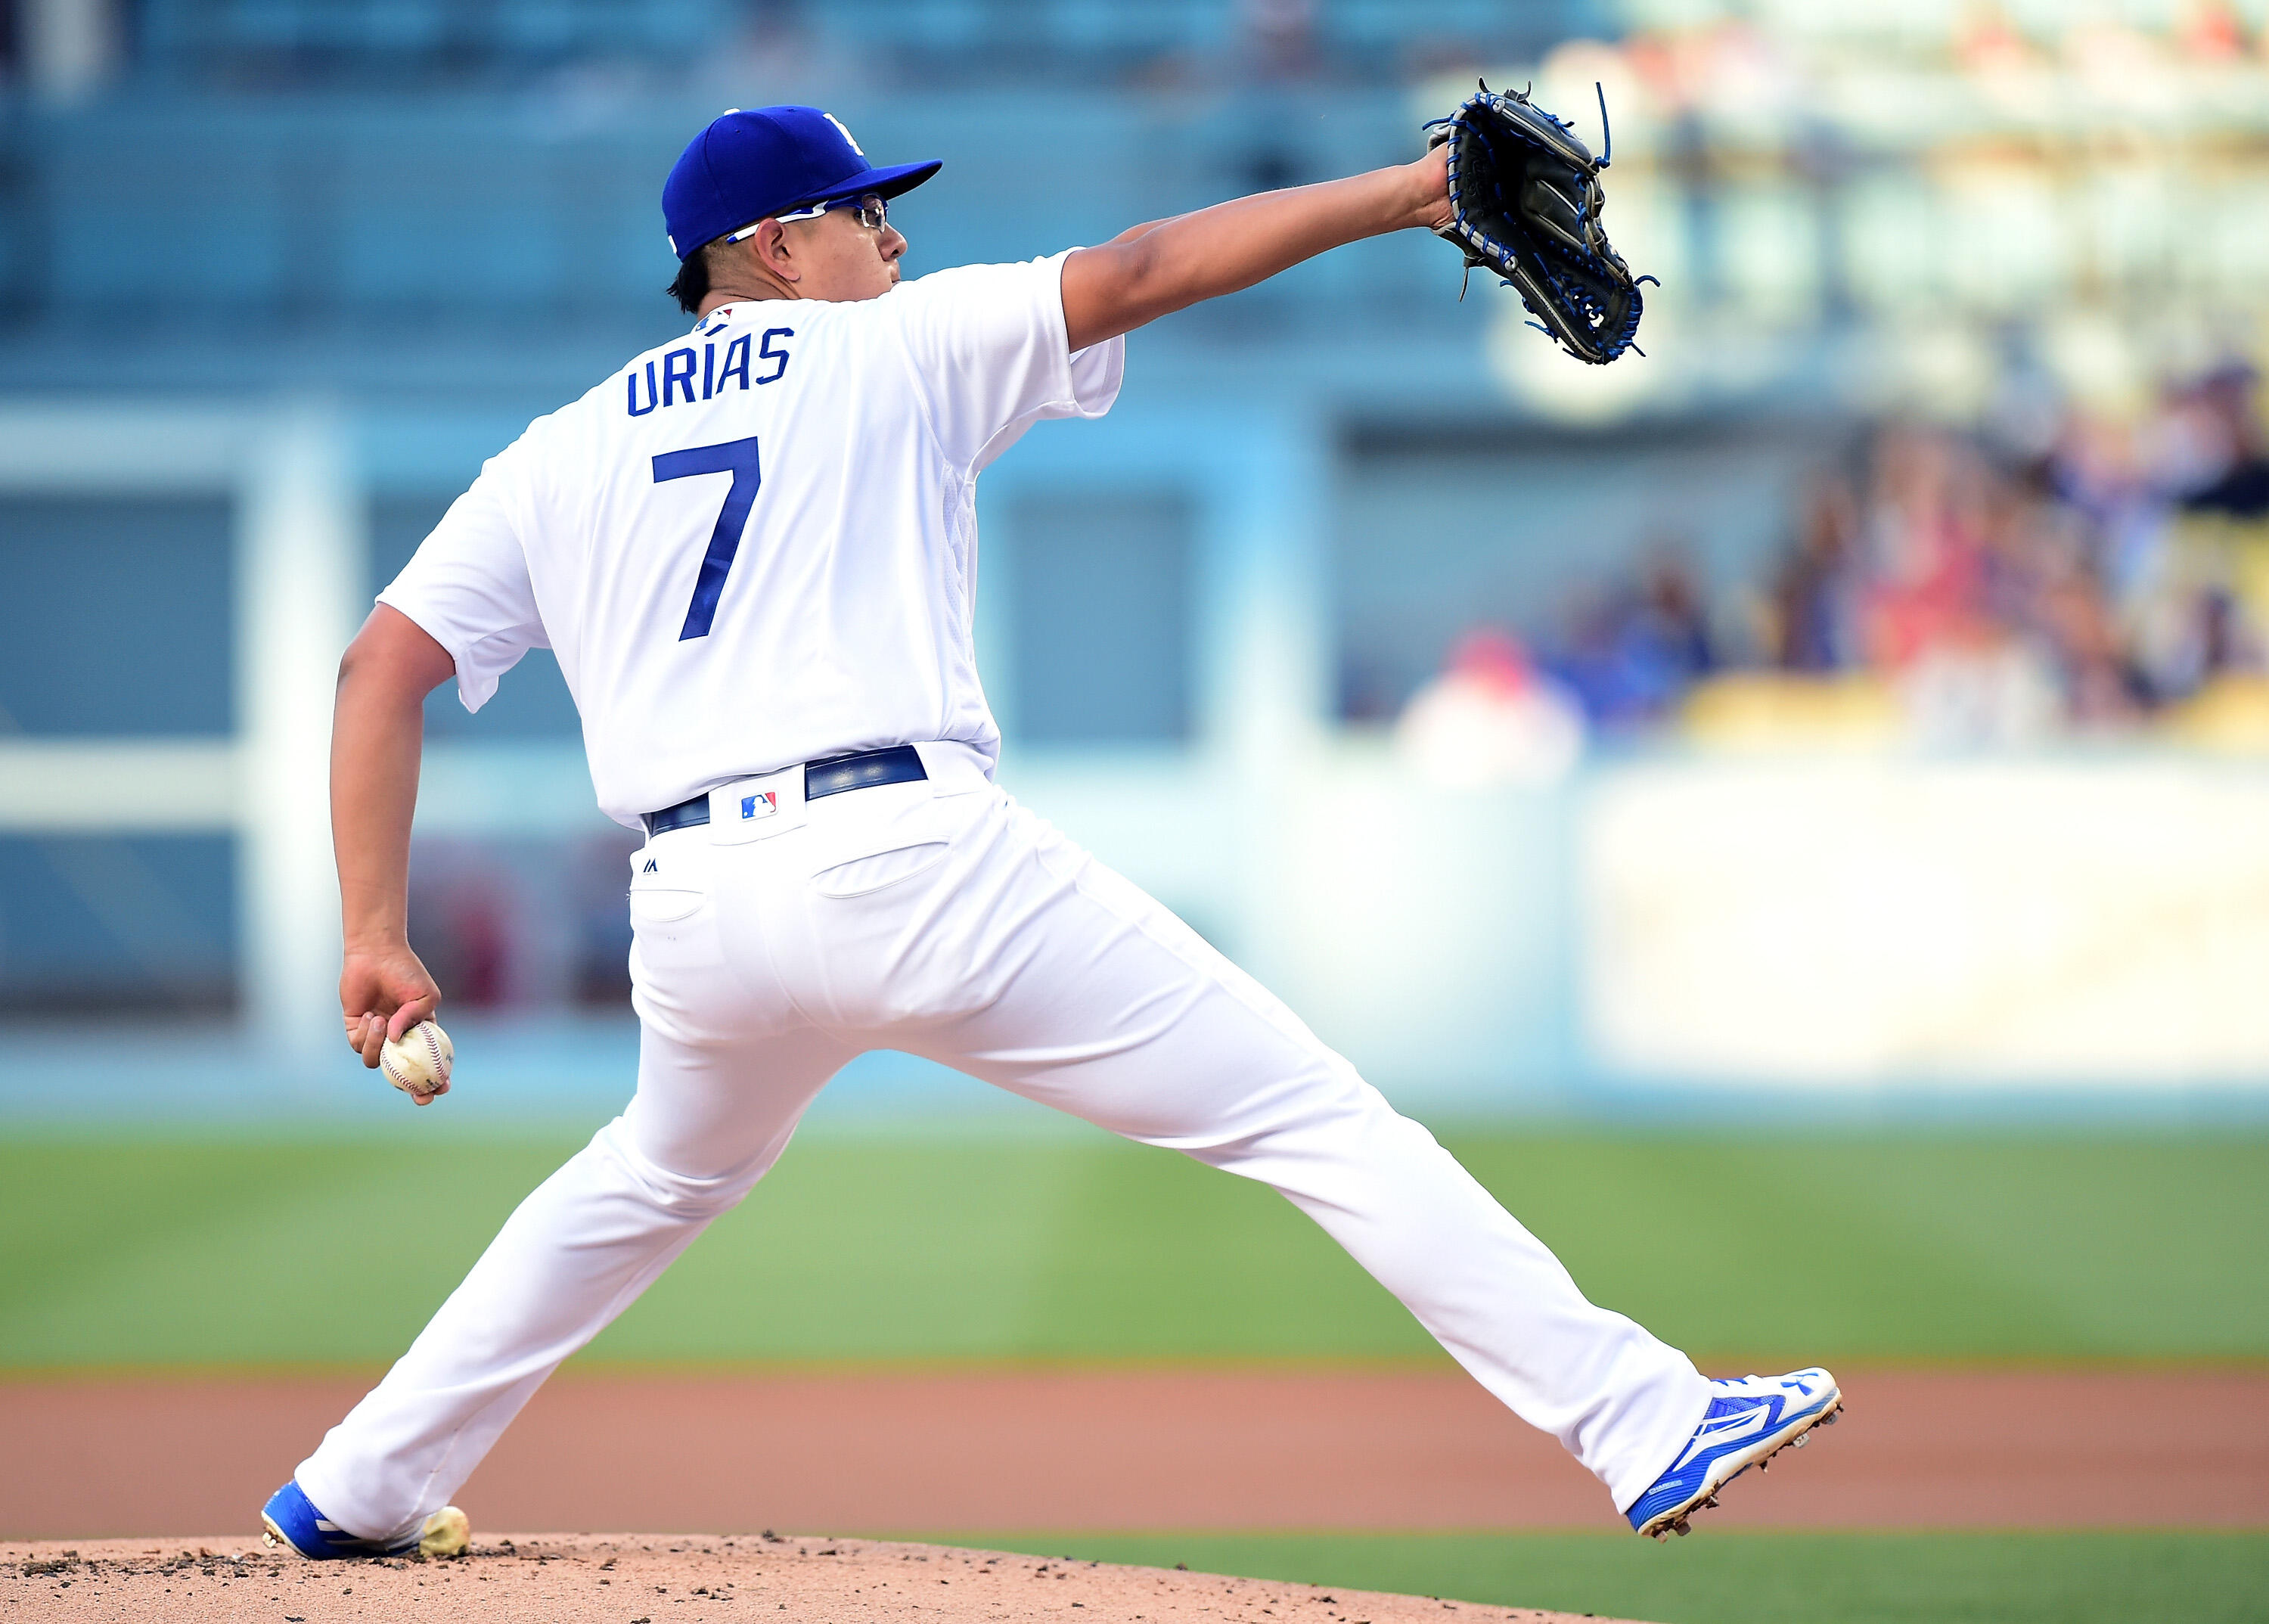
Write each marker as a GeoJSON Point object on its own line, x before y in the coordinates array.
{"type": "Point", "coordinates": [378, 734]}
{"type": "Point", "coordinates": [1155, 269]}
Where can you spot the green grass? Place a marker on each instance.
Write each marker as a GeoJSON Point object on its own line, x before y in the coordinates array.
{"type": "Point", "coordinates": [1910, 1247]}
{"type": "Point", "coordinates": [1727, 1578]}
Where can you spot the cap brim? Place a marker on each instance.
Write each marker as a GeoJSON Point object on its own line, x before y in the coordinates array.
{"type": "Point", "coordinates": [888, 181]}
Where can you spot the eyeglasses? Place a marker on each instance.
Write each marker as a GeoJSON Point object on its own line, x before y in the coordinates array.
{"type": "Point", "coordinates": [873, 214]}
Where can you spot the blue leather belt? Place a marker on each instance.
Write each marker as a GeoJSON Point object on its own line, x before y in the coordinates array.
{"type": "Point", "coordinates": [901, 764]}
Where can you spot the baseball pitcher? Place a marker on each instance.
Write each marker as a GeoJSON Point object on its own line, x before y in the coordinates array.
{"type": "Point", "coordinates": [752, 550]}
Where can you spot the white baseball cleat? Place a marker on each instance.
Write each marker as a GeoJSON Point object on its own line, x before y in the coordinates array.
{"type": "Point", "coordinates": [1748, 1421]}
{"type": "Point", "coordinates": [290, 1519]}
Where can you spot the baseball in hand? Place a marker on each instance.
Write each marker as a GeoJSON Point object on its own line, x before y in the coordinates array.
{"type": "Point", "coordinates": [418, 1062]}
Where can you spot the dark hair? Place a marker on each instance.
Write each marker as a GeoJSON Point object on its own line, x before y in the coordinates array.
{"type": "Point", "coordinates": [691, 283]}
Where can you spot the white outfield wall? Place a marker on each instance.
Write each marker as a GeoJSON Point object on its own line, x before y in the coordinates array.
{"type": "Point", "coordinates": [1825, 922]}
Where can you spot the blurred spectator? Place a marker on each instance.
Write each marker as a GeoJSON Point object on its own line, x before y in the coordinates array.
{"type": "Point", "coordinates": [2238, 463]}
{"type": "Point", "coordinates": [1815, 625]}
{"type": "Point", "coordinates": [1977, 685]}
{"type": "Point", "coordinates": [1490, 718]}
{"type": "Point", "coordinates": [2009, 596]}
{"type": "Point", "coordinates": [1633, 651]}
{"type": "Point", "coordinates": [2004, 588]}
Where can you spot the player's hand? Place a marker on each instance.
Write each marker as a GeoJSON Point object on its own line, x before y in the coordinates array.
{"type": "Point", "coordinates": [383, 992]}
{"type": "Point", "coordinates": [1430, 181]}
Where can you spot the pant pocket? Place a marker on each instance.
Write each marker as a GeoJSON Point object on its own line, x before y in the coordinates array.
{"type": "Point", "coordinates": [862, 877]}
{"type": "Point", "coordinates": [669, 883]}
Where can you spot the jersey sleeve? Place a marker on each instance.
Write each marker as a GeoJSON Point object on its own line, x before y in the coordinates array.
{"type": "Point", "coordinates": [991, 356]}
{"type": "Point", "coordinates": [467, 586]}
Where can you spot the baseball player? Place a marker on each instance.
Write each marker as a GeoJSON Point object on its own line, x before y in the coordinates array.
{"type": "Point", "coordinates": [753, 551]}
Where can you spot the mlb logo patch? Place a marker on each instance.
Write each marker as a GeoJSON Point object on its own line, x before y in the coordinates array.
{"type": "Point", "coordinates": [759, 806]}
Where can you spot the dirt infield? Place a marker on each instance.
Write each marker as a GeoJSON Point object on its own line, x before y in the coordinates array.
{"type": "Point", "coordinates": [1098, 1450]}
{"type": "Point", "coordinates": [627, 1579]}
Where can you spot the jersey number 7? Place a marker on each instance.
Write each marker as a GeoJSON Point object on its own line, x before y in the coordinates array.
{"type": "Point", "coordinates": [737, 457]}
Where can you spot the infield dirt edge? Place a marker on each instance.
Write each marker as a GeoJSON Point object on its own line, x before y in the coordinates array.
{"type": "Point", "coordinates": [661, 1579]}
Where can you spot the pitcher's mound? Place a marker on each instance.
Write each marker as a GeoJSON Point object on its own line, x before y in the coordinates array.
{"type": "Point", "coordinates": [660, 1579]}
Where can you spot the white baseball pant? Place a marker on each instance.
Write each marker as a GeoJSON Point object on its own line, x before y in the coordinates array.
{"type": "Point", "coordinates": [943, 918]}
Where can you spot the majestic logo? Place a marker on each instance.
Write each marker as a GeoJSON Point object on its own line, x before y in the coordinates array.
{"type": "Point", "coordinates": [847, 135]}
{"type": "Point", "coordinates": [759, 806]}
{"type": "Point", "coordinates": [651, 867]}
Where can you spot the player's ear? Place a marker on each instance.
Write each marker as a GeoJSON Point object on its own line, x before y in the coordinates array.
{"type": "Point", "coordinates": [774, 245]}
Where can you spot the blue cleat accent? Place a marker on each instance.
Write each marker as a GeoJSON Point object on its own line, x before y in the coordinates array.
{"type": "Point", "coordinates": [1748, 1421]}
{"type": "Point", "coordinates": [291, 1520]}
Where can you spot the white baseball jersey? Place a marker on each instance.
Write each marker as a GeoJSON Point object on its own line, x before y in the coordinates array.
{"type": "Point", "coordinates": [757, 545]}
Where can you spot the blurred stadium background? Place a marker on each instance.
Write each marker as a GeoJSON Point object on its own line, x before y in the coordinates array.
{"type": "Point", "coordinates": [1855, 711]}
{"type": "Point", "coordinates": [1863, 690]}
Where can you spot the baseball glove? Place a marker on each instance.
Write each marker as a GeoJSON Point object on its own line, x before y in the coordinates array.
{"type": "Point", "coordinates": [1525, 203]}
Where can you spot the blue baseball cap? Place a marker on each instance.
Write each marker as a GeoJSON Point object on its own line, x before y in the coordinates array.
{"type": "Point", "coordinates": [749, 166]}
